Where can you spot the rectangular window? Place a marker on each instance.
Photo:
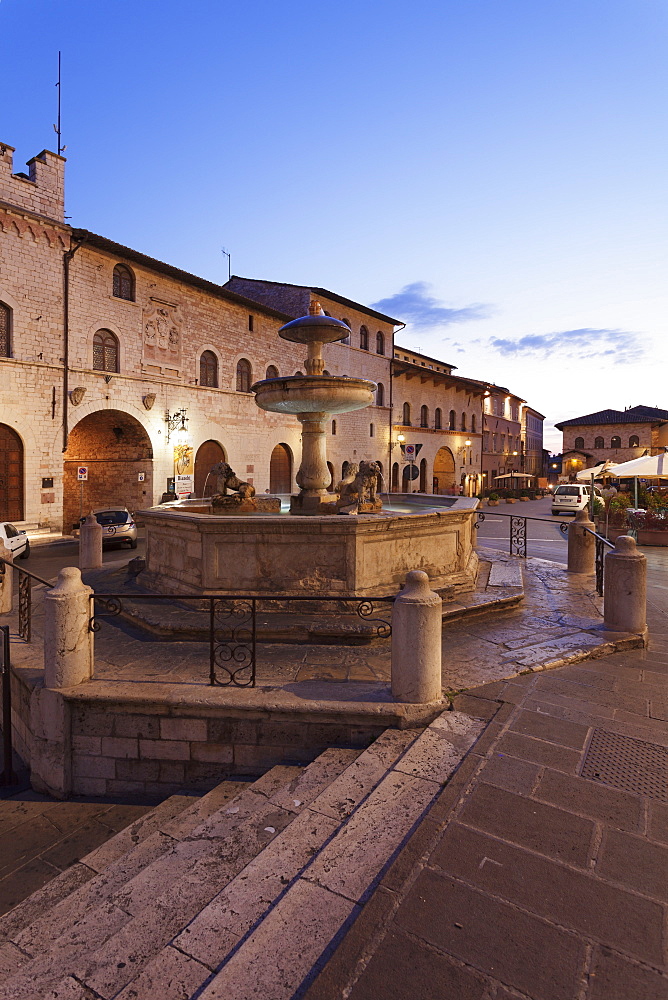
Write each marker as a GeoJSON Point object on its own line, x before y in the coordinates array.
{"type": "Point", "coordinates": [250, 323]}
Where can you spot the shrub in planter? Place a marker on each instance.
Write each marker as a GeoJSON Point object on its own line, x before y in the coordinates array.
{"type": "Point", "coordinates": [493, 500]}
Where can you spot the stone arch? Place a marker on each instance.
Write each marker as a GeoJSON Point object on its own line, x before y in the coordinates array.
{"type": "Point", "coordinates": [394, 485]}
{"type": "Point", "coordinates": [331, 487]}
{"type": "Point", "coordinates": [444, 470]}
{"type": "Point", "coordinates": [11, 475]}
{"type": "Point", "coordinates": [423, 475]}
{"type": "Point", "coordinates": [280, 470]}
{"type": "Point", "coordinates": [116, 449]}
{"type": "Point", "coordinates": [208, 454]}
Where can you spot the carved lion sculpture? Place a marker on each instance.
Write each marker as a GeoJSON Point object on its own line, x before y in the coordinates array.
{"type": "Point", "coordinates": [361, 486]}
{"type": "Point", "coordinates": [227, 479]}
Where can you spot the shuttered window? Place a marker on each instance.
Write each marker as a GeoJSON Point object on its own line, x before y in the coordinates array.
{"type": "Point", "coordinates": [4, 330]}
{"type": "Point", "coordinates": [105, 351]}
{"type": "Point", "coordinates": [208, 370]}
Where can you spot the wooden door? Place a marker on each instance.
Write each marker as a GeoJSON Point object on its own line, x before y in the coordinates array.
{"type": "Point", "coordinates": [208, 455]}
{"type": "Point", "coordinates": [280, 470]}
{"type": "Point", "coordinates": [11, 475]}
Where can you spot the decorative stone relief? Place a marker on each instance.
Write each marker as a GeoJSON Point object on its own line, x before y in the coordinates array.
{"type": "Point", "coordinates": [76, 395]}
{"type": "Point", "coordinates": [148, 400]}
{"type": "Point", "coordinates": [162, 325]}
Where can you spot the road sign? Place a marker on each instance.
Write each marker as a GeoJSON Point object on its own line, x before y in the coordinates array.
{"type": "Point", "coordinates": [141, 476]}
{"type": "Point", "coordinates": [82, 473]}
{"type": "Point", "coordinates": [410, 451]}
{"type": "Point", "coordinates": [411, 472]}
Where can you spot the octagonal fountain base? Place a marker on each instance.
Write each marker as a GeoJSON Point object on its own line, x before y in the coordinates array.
{"type": "Point", "coordinates": [362, 556]}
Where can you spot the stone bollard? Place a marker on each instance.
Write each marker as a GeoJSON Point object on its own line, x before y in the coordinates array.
{"type": "Point", "coordinates": [416, 642]}
{"type": "Point", "coordinates": [90, 543]}
{"type": "Point", "coordinates": [6, 582]}
{"type": "Point", "coordinates": [625, 587]}
{"type": "Point", "coordinates": [581, 545]}
{"type": "Point", "coordinates": [68, 642]}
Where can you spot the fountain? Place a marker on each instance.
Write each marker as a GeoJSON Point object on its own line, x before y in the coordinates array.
{"type": "Point", "coordinates": [313, 398]}
{"type": "Point", "coordinates": [241, 544]}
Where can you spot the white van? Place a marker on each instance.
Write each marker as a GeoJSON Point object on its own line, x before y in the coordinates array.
{"type": "Point", "coordinates": [572, 498]}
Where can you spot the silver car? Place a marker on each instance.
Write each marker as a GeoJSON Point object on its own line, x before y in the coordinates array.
{"type": "Point", "coordinates": [117, 525]}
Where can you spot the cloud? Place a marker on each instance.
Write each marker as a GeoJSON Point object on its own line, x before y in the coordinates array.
{"type": "Point", "coordinates": [587, 343]}
{"type": "Point", "coordinates": [414, 305]}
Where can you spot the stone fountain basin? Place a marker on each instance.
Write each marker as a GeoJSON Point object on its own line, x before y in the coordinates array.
{"type": "Point", "coordinates": [314, 394]}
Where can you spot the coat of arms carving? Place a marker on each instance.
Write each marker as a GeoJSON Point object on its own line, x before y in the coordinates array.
{"type": "Point", "coordinates": [162, 332]}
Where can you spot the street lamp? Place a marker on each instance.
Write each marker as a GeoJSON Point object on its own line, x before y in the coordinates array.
{"type": "Point", "coordinates": [176, 422]}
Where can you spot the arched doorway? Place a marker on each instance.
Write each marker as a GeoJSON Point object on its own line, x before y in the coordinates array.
{"type": "Point", "coordinates": [332, 485]}
{"type": "Point", "coordinates": [280, 470]}
{"type": "Point", "coordinates": [208, 454]}
{"type": "Point", "coordinates": [444, 470]}
{"type": "Point", "coordinates": [423, 476]}
{"type": "Point", "coordinates": [394, 488]}
{"type": "Point", "coordinates": [11, 475]}
{"type": "Point", "coordinates": [117, 452]}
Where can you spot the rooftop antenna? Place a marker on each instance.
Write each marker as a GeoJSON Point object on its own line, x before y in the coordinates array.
{"type": "Point", "coordinates": [56, 128]}
{"type": "Point", "coordinates": [227, 254]}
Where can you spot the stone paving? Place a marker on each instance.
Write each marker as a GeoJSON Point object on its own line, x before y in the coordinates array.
{"type": "Point", "coordinates": [527, 879]}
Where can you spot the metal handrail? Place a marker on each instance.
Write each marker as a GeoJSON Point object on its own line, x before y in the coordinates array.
{"type": "Point", "coordinates": [20, 569]}
{"type": "Point", "coordinates": [601, 542]}
{"type": "Point", "coordinates": [8, 777]}
{"type": "Point", "coordinates": [518, 529]}
{"type": "Point", "coordinates": [25, 596]}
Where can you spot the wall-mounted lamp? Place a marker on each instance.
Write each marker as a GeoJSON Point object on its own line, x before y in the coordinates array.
{"type": "Point", "coordinates": [401, 438]}
{"type": "Point", "coordinates": [176, 422]}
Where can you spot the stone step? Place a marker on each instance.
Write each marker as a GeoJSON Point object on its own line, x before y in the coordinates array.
{"type": "Point", "coordinates": [320, 801]}
{"type": "Point", "coordinates": [327, 895]}
{"type": "Point", "coordinates": [39, 920]}
{"type": "Point", "coordinates": [193, 855]}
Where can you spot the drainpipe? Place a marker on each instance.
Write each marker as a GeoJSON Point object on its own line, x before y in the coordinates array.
{"type": "Point", "coordinates": [390, 443]}
{"type": "Point", "coordinates": [67, 257]}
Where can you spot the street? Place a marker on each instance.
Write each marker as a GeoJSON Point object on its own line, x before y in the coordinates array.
{"type": "Point", "coordinates": [47, 560]}
{"type": "Point", "coordinates": [544, 541]}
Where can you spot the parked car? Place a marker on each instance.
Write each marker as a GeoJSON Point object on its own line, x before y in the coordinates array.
{"type": "Point", "coordinates": [117, 525]}
{"type": "Point", "coordinates": [14, 539]}
{"type": "Point", "coordinates": [572, 498]}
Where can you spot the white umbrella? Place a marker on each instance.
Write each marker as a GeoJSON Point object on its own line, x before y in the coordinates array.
{"type": "Point", "coordinates": [597, 471]}
{"type": "Point", "coordinates": [514, 475]}
{"type": "Point", "coordinates": [647, 467]}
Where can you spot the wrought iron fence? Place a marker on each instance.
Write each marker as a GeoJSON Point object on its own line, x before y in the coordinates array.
{"type": "Point", "coordinates": [232, 631]}
{"type": "Point", "coordinates": [517, 530]}
{"type": "Point", "coordinates": [25, 595]}
{"type": "Point", "coordinates": [8, 777]}
{"type": "Point", "coordinates": [601, 544]}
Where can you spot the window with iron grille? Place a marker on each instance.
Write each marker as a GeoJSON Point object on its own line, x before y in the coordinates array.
{"type": "Point", "coordinates": [5, 316]}
{"type": "Point", "coordinates": [105, 351]}
{"type": "Point", "coordinates": [244, 375]}
{"type": "Point", "coordinates": [208, 370]}
{"type": "Point", "coordinates": [124, 286]}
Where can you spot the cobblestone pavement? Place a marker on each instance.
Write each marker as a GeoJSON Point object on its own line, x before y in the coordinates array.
{"type": "Point", "coordinates": [542, 870]}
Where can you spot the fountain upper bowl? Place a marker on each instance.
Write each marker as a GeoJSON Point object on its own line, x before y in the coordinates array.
{"type": "Point", "coordinates": [314, 394]}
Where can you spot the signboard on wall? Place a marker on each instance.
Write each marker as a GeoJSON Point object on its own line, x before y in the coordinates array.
{"type": "Point", "coordinates": [184, 470]}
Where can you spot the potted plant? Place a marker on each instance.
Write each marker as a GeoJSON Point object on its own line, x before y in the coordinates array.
{"type": "Point", "coordinates": [525, 495]}
{"type": "Point", "coordinates": [493, 500]}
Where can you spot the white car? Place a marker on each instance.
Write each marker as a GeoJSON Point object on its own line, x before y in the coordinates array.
{"type": "Point", "coordinates": [571, 498]}
{"type": "Point", "coordinates": [14, 539]}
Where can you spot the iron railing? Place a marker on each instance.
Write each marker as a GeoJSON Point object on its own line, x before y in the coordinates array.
{"type": "Point", "coordinates": [232, 624]}
{"type": "Point", "coordinates": [601, 544]}
{"type": "Point", "coordinates": [517, 530]}
{"type": "Point", "coordinates": [25, 596]}
{"type": "Point", "coordinates": [8, 776]}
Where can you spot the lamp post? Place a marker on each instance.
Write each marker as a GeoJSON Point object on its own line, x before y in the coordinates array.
{"type": "Point", "coordinates": [176, 421]}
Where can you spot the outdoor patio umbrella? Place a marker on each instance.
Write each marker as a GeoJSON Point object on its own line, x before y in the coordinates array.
{"type": "Point", "coordinates": [598, 471]}
{"type": "Point", "coordinates": [514, 475]}
{"type": "Point", "coordinates": [646, 467]}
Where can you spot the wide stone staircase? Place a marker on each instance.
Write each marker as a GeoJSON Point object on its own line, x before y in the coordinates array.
{"type": "Point", "coordinates": [237, 894]}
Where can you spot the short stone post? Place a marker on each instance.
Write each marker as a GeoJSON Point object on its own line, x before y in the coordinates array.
{"type": "Point", "coordinates": [68, 642]}
{"type": "Point", "coordinates": [416, 642]}
{"type": "Point", "coordinates": [581, 545]}
{"type": "Point", "coordinates": [6, 582]}
{"type": "Point", "coordinates": [625, 587]}
{"type": "Point", "coordinates": [90, 543]}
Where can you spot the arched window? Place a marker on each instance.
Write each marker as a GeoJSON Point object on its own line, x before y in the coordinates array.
{"type": "Point", "coordinates": [616, 442]}
{"type": "Point", "coordinates": [208, 370]}
{"type": "Point", "coordinates": [407, 415]}
{"type": "Point", "coordinates": [580, 443]}
{"type": "Point", "coordinates": [380, 343]}
{"type": "Point", "coordinates": [634, 441]}
{"type": "Point", "coordinates": [380, 394]}
{"type": "Point", "coordinates": [453, 421]}
{"type": "Point", "coordinates": [437, 418]}
{"type": "Point", "coordinates": [463, 421]}
{"type": "Point", "coordinates": [599, 443]}
{"type": "Point", "coordinates": [424, 416]}
{"type": "Point", "coordinates": [364, 338]}
{"type": "Point", "coordinates": [333, 426]}
{"type": "Point", "coordinates": [473, 425]}
{"type": "Point", "coordinates": [124, 285]}
{"type": "Point", "coordinates": [5, 325]}
{"type": "Point", "coordinates": [371, 430]}
{"type": "Point", "coordinates": [272, 372]}
{"type": "Point", "coordinates": [105, 351]}
{"type": "Point", "coordinates": [346, 340]}
{"type": "Point", "coordinates": [244, 375]}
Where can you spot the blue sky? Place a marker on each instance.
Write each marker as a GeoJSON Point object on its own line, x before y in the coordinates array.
{"type": "Point", "coordinates": [491, 171]}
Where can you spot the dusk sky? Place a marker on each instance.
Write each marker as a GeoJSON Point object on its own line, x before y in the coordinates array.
{"type": "Point", "coordinates": [491, 172]}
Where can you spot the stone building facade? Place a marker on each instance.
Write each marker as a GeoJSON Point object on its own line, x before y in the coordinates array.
{"type": "Point", "coordinates": [614, 435]}
{"type": "Point", "coordinates": [100, 344]}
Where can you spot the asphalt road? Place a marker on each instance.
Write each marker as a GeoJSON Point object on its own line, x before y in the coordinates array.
{"type": "Point", "coordinates": [47, 560]}
{"type": "Point", "coordinates": [544, 539]}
